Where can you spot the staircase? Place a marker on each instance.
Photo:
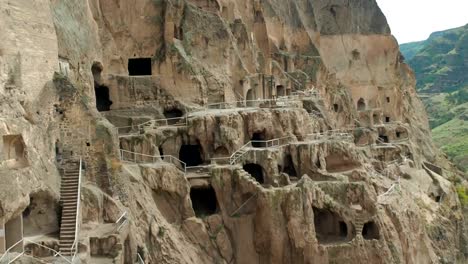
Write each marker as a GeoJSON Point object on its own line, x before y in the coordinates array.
{"type": "Point", "coordinates": [70, 199]}
{"type": "Point", "coordinates": [358, 225]}
{"type": "Point", "coordinates": [239, 153]}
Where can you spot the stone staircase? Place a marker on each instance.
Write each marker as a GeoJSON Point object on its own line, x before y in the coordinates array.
{"type": "Point", "coordinates": [358, 225]}
{"type": "Point", "coordinates": [69, 198]}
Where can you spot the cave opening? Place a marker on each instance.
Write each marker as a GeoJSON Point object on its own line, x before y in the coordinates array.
{"type": "Point", "coordinates": [330, 227]}
{"type": "Point", "coordinates": [370, 231]}
{"type": "Point", "coordinates": [339, 163]}
{"type": "Point", "coordinates": [258, 140]}
{"type": "Point", "coordinates": [191, 155]}
{"type": "Point", "coordinates": [204, 201]}
{"type": "Point", "coordinates": [289, 166]}
{"type": "Point", "coordinates": [250, 97]}
{"type": "Point", "coordinates": [280, 90]}
{"type": "Point", "coordinates": [103, 101]}
{"type": "Point", "coordinates": [256, 171]}
{"type": "Point", "coordinates": [161, 152]}
{"type": "Point", "coordinates": [336, 108]}
{"type": "Point", "coordinates": [361, 105]}
{"type": "Point", "coordinates": [221, 152]}
{"type": "Point", "coordinates": [14, 151]}
{"type": "Point", "coordinates": [41, 216]}
{"type": "Point", "coordinates": [173, 115]}
{"type": "Point", "coordinates": [13, 234]}
{"type": "Point", "coordinates": [387, 119]}
{"type": "Point", "coordinates": [384, 139]}
{"type": "Point", "coordinates": [139, 66]}
{"type": "Point", "coordinates": [388, 99]}
{"type": "Point", "coordinates": [398, 134]}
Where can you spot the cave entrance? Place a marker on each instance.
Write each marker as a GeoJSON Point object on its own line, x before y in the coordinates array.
{"type": "Point", "coordinates": [14, 151]}
{"type": "Point", "coordinates": [41, 216]}
{"type": "Point", "coordinates": [289, 166]}
{"type": "Point", "coordinates": [330, 227]}
{"type": "Point", "coordinates": [339, 163]}
{"type": "Point", "coordinates": [250, 97]}
{"type": "Point", "coordinates": [139, 66]}
{"type": "Point", "coordinates": [258, 140]}
{"type": "Point", "coordinates": [191, 155]}
{"type": "Point", "coordinates": [173, 115]}
{"type": "Point", "coordinates": [13, 234]}
{"type": "Point", "coordinates": [204, 201]}
{"type": "Point", "coordinates": [256, 171]}
{"type": "Point", "coordinates": [103, 101]}
{"type": "Point", "coordinates": [361, 105]}
{"type": "Point", "coordinates": [336, 108]}
{"type": "Point", "coordinates": [383, 138]}
{"type": "Point", "coordinates": [370, 231]}
{"type": "Point", "coordinates": [280, 90]}
{"type": "Point", "coordinates": [221, 152]}
{"type": "Point", "coordinates": [387, 119]}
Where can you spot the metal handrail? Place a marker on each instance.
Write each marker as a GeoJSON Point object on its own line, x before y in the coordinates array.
{"type": "Point", "coordinates": [77, 221]}
{"type": "Point", "coordinates": [7, 252]}
{"type": "Point", "coordinates": [153, 121]}
{"type": "Point", "coordinates": [242, 205]}
{"type": "Point", "coordinates": [172, 159]}
{"type": "Point", "coordinates": [125, 220]}
{"type": "Point", "coordinates": [56, 253]}
{"type": "Point", "coordinates": [140, 259]}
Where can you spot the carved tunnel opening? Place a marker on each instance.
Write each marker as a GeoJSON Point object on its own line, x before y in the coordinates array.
{"type": "Point", "coordinates": [139, 66]}
{"type": "Point", "coordinates": [204, 201]}
{"type": "Point", "coordinates": [361, 105]}
{"type": "Point", "coordinates": [14, 151]}
{"type": "Point", "coordinates": [191, 155]}
{"type": "Point", "coordinates": [330, 227]}
{"type": "Point", "coordinates": [103, 102]}
{"type": "Point", "coordinates": [42, 216]}
{"type": "Point", "coordinates": [258, 139]}
{"type": "Point", "coordinates": [384, 139]}
{"type": "Point", "coordinates": [387, 119]}
{"type": "Point", "coordinates": [173, 115]}
{"type": "Point", "coordinates": [250, 97]}
{"type": "Point", "coordinates": [339, 163]}
{"type": "Point", "coordinates": [289, 166]}
{"type": "Point", "coordinates": [370, 231]}
{"type": "Point", "coordinates": [14, 233]}
{"type": "Point", "coordinates": [256, 171]}
{"type": "Point", "coordinates": [280, 90]}
{"type": "Point", "coordinates": [336, 108]}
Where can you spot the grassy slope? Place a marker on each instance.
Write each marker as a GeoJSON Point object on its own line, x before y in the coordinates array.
{"type": "Point", "coordinates": [441, 66]}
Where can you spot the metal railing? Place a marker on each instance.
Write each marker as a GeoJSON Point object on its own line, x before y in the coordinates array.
{"type": "Point", "coordinates": [154, 123]}
{"type": "Point", "coordinates": [122, 221]}
{"type": "Point", "coordinates": [134, 157]}
{"type": "Point", "coordinates": [243, 205]}
{"type": "Point", "coordinates": [74, 248]}
{"type": "Point", "coordinates": [140, 259]}
{"type": "Point", "coordinates": [56, 253]}
{"type": "Point", "coordinates": [335, 134]}
{"type": "Point", "coordinates": [278, 102]}
{"type": "Point", "coordinates": [390, 190]}
{"type": "Point", "coordinates": [8, 257]}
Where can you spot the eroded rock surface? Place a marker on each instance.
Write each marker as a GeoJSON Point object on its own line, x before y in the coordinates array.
{"type": "Point", "coordinates": [219, 131]}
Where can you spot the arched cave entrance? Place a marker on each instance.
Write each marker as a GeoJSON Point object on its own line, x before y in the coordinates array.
{"type": "Point", "coordinates": [339, 163]}
{"type": "Point", "coordinates": [173, 115]}
{"type": "Point", "coordinates": [250, 97]}
{"type": "Point", "coordinates": [256, 171]}
{"type": "Point", "coordinates": [191, 155]}
{"type": "Point", "coordinates": [361, 105]}
{"type": "Point", "coordinates": [221, 152]}
{"type": "Point", "coordinates": [370, 230]}
{"type": "Point", "coordinates": [289, 166]}
{"type": "Point", "coordinates": [280, 90]}
{"type": "Point", "coordinates": [139, 66]}
{"type": "Point", "coordinates": [14, 151]}
{"type": "Point", "coordinates": [103, 101]}
{"type": "Point", "coordinates": [257, 140]}
{"type": "Point", "coordinates": [42, 216]}
{"type": "Point", "coordinates": [336, 108]}
{"type": "Point", "coordinates": [330, 227]}
{"type": "Point", "coordinates": [96, 69]}
{"type": "Point", "coordinates": [204, 201]}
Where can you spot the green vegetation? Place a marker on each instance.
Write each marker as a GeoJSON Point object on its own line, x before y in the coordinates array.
{"type": "Point", "coordinates": [462, 195]}
{"type": "Point", "coordinates": [440, 67]}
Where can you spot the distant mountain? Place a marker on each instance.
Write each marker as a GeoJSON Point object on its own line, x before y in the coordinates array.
{"type": "Point", "coordinates": [440, 62]}
{"type": "Point", "coordinates": [441, 67]}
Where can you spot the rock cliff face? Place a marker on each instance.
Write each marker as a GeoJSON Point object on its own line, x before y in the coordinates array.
{"type": "Point", "coordinates": [218, 131]}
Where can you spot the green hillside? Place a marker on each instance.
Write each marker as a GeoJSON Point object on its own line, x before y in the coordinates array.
{"type": "Point", "coordinates": [440, 64]}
